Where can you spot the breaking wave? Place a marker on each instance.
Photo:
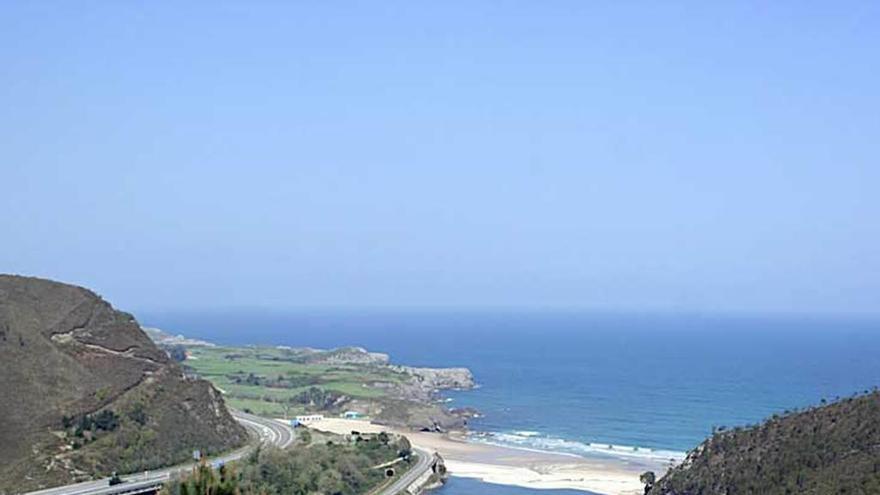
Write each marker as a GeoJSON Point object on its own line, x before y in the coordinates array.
{"type": "Point", "coordinates": [526, 433]}
{"type": "Point", "coordinates": [533, 440]}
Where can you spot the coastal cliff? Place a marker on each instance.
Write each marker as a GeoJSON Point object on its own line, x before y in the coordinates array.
{"type": "Point", "coordinates": [87, 392]}
{"type": "Point", "coordinates": [432, 380]}
{"type": "Point", "coordinates": [416, 403]}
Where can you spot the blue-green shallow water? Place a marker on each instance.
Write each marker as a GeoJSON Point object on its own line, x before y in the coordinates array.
{"type": "Point", "coordinates": [648, 385]}
{"type": "Point", "coordinates": [466, 486]}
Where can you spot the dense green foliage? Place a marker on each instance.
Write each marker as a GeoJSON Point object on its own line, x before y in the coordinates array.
{"type": "Point", "coordinates": [330, 469]}
{"type": "Point", "coordinates": [824, 450]}
{"type": "Point", "coordinates": [105, 420]}
{"type": "Point", "coordinates": [206, 481]}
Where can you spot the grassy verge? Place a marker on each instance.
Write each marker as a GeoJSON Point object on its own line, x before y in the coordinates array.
{"type": "Point", "coordinates": [279, 382]}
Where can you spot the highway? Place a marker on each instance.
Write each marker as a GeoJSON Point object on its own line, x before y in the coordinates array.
{"type": "Point", "coordinates": [423, 463]}
{"type": "Point", "coordinates": [268, 431]}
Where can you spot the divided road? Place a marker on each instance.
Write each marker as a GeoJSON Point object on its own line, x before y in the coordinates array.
{"type": "Point", "coordinates": [423, 463]}
{"type": "Point", "coordinates": [270, 431]}
{"type": "Point", "coordinates": [267, 430]}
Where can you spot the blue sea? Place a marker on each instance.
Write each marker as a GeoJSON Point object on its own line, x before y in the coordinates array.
{"type": "Point", "coordinates": [590, 384]}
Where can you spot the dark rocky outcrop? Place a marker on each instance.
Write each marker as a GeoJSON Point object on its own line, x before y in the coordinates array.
{"type": "Point", "coordinates": [417, 416]}
{"type": "Point", "coordinates": [68, 357]}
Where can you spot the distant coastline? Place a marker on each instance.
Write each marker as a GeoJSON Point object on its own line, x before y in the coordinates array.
{"type": "Point", "coordinates": [626, 381]}
{"type": "Point", "coordinates": [467, 454]}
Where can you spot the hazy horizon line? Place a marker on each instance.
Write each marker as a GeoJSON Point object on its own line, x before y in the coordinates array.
{"type": "Point", "coordinates": [494, 310]}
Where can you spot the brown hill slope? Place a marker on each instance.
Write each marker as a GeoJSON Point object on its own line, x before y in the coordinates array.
{"type": "Point", "coordinates": [823, 450]}
{"type": "Point", "coordinates": [83, 392]}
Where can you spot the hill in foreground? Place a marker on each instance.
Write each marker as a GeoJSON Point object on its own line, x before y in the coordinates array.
{"type": "Point", "coordinates": [86, 392]}
{"type": "Point", "coordinates": [830, 449]}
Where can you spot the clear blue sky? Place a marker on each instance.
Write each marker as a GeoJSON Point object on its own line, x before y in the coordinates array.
{"type": "Point", "coordinates": [701, 156]}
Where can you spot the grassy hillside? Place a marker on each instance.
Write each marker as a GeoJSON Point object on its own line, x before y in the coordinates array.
{"type": "Point", "coordinates": [86, 392]}
{"type": "Point", "coordinates": [268, 380]}
{"type": "Point", "coordinates": [830, 449]}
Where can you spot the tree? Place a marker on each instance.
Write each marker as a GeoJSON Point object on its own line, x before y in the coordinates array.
{"type": "Point", "coordinates": [325, 469]}
{"type": "Point", "coordinates": [177, 353]}
{"type": "Point", "coordinates": [330, 482]}
{"type": "Point", "coordinates": [138, 414]}
{"type": "Point", "coordinates": [304, 436]}
{"type": "Point", "coordinates": [404, 448]}
{"type": "Point", "coordinates": [648, 478]}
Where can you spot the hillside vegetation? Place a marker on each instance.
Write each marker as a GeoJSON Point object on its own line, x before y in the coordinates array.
{"type": "Point", "coordinates": [341, 467]}
{"type": "Point", "coordinates": [832, 449]}
{"type": "Point", "coordinates": [86, 392]}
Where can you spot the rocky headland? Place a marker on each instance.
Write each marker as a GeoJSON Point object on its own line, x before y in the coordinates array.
{"type": "Point", "coordinates": [395, 395]}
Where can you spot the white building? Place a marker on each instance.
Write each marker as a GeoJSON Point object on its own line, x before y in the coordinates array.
{"type": "Point", "coordinates": [308, 419]}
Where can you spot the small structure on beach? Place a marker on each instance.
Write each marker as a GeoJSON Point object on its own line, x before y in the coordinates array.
{"type": "Point", "coordinates": [352, 415]}
{"type": "Point", "coordinates": [306, 420]}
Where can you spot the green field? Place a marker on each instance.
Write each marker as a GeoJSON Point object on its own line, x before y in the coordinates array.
{"type": "Point", "coordinates": [273, 381]}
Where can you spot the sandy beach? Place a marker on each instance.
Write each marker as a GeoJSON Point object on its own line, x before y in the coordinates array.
{"type": "Point", "coordinates": [519, 467]}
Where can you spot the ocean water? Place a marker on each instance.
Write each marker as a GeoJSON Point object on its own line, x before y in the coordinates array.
{"type": "Point", "coordinates": [465, 486]}
{"type": "Point", "coordinates": [620, 385]}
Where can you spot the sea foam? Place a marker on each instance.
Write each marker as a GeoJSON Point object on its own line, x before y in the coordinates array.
{"type": "Point", "coordinates": [533, 440]}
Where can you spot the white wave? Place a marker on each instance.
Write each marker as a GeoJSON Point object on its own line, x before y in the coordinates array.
{"type": "Point", "coordinates": [532, 440]}
{"type": "Point", "coordinates": [526, 433]}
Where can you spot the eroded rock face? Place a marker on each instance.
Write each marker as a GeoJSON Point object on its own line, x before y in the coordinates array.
{"type": "Point", "coordinates": [417, 407]}
{"type": "Point", "coordinates": [418, 416]}
{"type": "Point", "coordinates": [425, 384]}
{"type": "Point", "coordinates": [65, 352]}
{"type": "Point", "coordinates": [442, 378]}
{"type": "Point", "coordinates": [345, 355]}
